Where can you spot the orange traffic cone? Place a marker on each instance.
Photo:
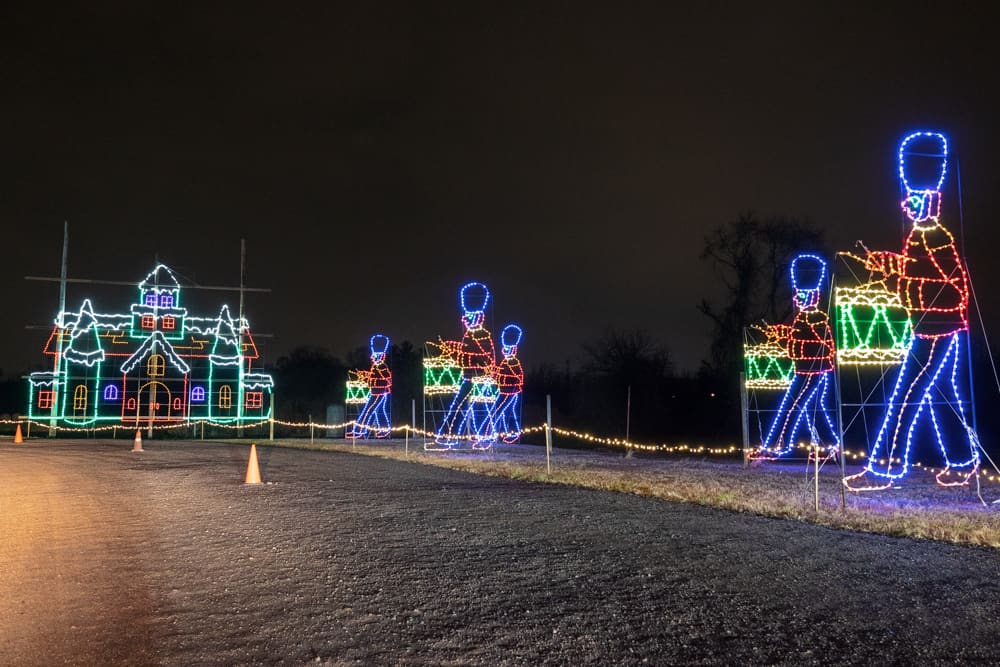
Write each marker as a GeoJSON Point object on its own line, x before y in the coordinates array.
{"type": "Point", "coordinates": [137, 445]}
{"type": "Point", "coordinates": [253, 470]}
{"type": "Point", "coordinates": [17, 436]}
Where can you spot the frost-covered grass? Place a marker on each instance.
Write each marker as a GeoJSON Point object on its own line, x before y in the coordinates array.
{"type": "Point", "coordinates": [919, 508]}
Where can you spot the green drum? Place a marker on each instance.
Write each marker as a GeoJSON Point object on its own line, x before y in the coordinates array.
{"type": "Point", "coordinates": [872, 326]}
{"type": "Point", "coordinates": [484, 390]}
{"type": "Point", "coordinates": [441, 376]}
{"type": "Point", "coordinates": [357, 392]}
{"type": "Point", "coordinates": [767, 366]}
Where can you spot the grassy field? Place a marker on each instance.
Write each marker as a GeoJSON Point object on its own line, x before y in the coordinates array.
{"type": "Point", "coordinates": [918, 509]}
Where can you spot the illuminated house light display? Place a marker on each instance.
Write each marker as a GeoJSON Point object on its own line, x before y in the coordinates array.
{"type": "Point", "coordinates": [154, 364]}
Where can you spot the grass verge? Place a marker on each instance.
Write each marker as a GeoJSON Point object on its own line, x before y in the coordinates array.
{"type": "Point", "coordinates": [920, 509]}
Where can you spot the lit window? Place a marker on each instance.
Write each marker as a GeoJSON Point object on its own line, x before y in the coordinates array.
{"type": "Point", "coordinates": [155, 366]}
{"type": "Point", "coordinates": [255, 399]}
{"type": "Point", "coordinates": [80, 397]}
{"type": "Point", "coordinates": [168, 323]}
{"type": "Point", "coordinates": [166, 301]}
{"type": "Point", "coordinates": [225, 396]}
{"type": "Point", "coordinates": [197, 394]}
{"type": "Point", "coordinates": [150, 299]}
{"type": "Point", "coordinates": [46, 398]}
{"type": "Point", "coordinates": [177, 404]}
{"type": "Point", "coordinates": [148, 322]}
{"type": "Point", "coordinates": [110, 393]}
{"type": "Point", "coordinates": [130, 404]}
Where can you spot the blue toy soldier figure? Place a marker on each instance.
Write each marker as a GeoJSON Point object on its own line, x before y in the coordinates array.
{"type": "Point", "coordinates": [932, 284]}
{"type": "Point", "coordinates": [374, 417]}
{"type": "Point", "coordinates": [509, 377]}
{"type": "Point", "coordinates": [809, 341]}
{"type": "Point", "coordinates": [468, 416]}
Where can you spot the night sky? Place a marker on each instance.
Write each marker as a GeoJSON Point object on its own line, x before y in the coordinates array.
{"type": "Point", "coordinates": [377, 158]}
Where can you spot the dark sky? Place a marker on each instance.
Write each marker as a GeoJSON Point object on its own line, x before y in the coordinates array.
{"type": "Point", "coordinates": [571, 156]}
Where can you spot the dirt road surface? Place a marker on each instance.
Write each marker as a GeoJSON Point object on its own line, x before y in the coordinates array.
{"type": "Point", "coordinates": [117, 558]}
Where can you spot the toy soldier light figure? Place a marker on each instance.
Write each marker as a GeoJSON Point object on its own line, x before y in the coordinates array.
{"type": "Point", "coordinates": [468, 416]}
{"type": "Point", "coordinates": [374, 417]}
{"type": "Point", "coordinates": [509, 377]}
{"type": "Point", "coordinates": [932, 284]}
{"type": "Point", "coordinates": [805, 406]}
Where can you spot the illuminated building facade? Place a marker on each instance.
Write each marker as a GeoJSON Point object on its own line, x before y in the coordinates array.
{"type": "Point", "coordinates": [154, 364]}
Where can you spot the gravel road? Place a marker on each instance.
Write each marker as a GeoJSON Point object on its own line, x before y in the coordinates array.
{"type": "Point", "coordinates": [163, 557]}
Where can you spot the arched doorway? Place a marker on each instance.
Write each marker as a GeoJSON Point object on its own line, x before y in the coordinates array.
{"type": "Point", "coordinates": [154, 402]}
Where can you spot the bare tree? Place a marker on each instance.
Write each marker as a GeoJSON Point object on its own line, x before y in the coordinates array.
{"type": "Point", "coordinates": [751, 257]}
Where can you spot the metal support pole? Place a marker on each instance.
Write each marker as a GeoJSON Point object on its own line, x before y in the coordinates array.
{"type": "Point", "coordinates": [840, 435]}
{"type": "Point", "coordinates": [840, 413]}
{"type": "Point", "coordinates": [62, 327]}
{"type": "Point", "coordinates": [745, 414]}
{"type": "Point", "coordinates": [628, 412]}
{"type": "Point", "coordinates": [239, 330]}
{"type": "Point", "coordinates": [270, 435]}
{"type": "Point", "coordinates": [548, 434]}
{"type": "Point", "coordinates": [413, 423]}
{"type": "Point", "coordinates": [816, 474]}
{"type": "Point", "coordinates": [27, 429]}
{"type": "Point", "coordinates": [203, 429]}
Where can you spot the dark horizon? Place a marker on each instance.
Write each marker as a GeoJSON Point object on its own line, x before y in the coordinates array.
{"type": "Point", "coordinates": [375, 159]}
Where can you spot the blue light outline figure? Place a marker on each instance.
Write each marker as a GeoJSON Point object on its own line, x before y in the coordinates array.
{"type": "Point", "coordinates": [509, 376]}
{"type": "Point", "coordinates": [929, 270]}
{"type": "Point", "coordinates": [373, 419]}
{"type": "Point", "coordinates": [476, 356]}
{"type": "Point", "coordinates": [809, 340]}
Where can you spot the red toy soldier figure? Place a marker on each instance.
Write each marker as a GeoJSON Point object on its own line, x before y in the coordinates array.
{"type": "Point", "coordinates": [509, 376]}
{"type": "Point", "coordinates": [810, 346]}
{"type": "Point", "coordinates": [933, 286]}
{"type": "Point", "coordinates": [470, 410]}
{"type": "Point", "coordinates": [374, 417]}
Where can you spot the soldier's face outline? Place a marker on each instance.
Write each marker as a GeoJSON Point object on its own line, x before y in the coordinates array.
{"type": "Point", "coordinates": [473, 319]}
{"type": "Point", "coordinates": [806, 299]}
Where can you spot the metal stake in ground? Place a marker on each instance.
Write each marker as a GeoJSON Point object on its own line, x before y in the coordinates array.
{"type": "Point", "coordinates": [816, 474]}
{"type": "Point", "coordinates": [745, 414]}
{"type": "Point", "coordinates": [413, 423]}
{"type": "Point", "coordinates": [548, 433]}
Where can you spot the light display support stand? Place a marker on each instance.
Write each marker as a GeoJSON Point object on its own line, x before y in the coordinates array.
{"type": "Point", "coordinates": [745, 414]}
{"type": "Point", "coordinates": [968, 346]}
{"type": "Point", "coordinates": [239, 329]}
{"type": "Point", "coordinates": [840, 414]}
{"type": "Point", "coordinates": [816, 475]}
{"type": "Point", "coordinates": [62, 308]}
